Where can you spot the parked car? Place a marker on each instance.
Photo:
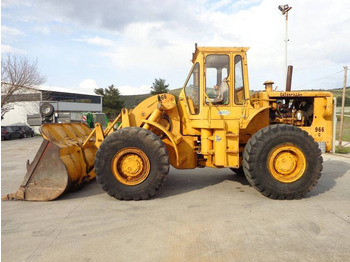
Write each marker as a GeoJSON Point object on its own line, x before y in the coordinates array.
{"type": "Point", "coordinates": [9, 132]}
{"type": "Point", "coordinates": [27, 131]}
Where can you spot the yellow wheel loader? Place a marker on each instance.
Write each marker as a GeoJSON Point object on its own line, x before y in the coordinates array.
{"type": "Point", "coordinates": [272, 137]}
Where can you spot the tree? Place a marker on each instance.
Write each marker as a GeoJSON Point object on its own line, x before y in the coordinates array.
{"type": "Point", "coordinates": [159, 87]}
{"type": "Point", "coordinates": [112, 103]}
{"type": "Point", "coordinates": [347, 101]}
{"type": "Point", "coordinates": [18, 74]}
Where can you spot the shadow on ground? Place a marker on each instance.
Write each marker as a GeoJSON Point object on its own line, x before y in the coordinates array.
{"type": "Point", "coordinates": [90, 189]}
{"type": "Point", "coordinates": [330, 173]}
{"type": "Point", "coordinates": [184, 181]}
{"type": "Point", "coordinates": [178, 182]}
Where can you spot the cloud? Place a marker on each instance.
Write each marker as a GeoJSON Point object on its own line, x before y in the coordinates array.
{"type": "Point", "coordinates": [132, 90]}
{"type": "Point", "coordinates": [88, 86]}
{"type": "Point", "coordinates": [159, 47]}
{"type": "Point", "coordinates": [43, 29]}
{"type": "Point", "coordinates": [9, 3]}
{"type": "Point", "coordinates": [10, 34]}
{"type": "Point", "coordinates": [10, 31]}
{"type": "Point", "coordinates": [57, 29]}
{"type": "Point", "coordinates": [116, 15]}
{"type": "Point", "coordinates": [147, 39]}
{"type": "Point", "coordinates": [10, 49]}
{"type": "Point", "coordinates": [99, 41]}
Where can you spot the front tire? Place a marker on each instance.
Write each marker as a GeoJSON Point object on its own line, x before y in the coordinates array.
{"type": "Point", "coordinates": [132, 164]}
{"type": "Point", "coordinates": [282, 162]}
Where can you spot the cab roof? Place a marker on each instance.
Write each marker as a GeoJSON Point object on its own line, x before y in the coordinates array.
{"type": "Point", "coordinates": [211, 49]}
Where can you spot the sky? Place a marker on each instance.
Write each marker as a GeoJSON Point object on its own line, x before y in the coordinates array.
{"type": "Point", "coordinates": [86, 44]}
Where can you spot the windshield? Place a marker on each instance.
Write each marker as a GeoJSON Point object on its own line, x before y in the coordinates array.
{"type": "Point", "coordinates": [217, 73]}
{"type": "Point", "coordinates": [192, 91]}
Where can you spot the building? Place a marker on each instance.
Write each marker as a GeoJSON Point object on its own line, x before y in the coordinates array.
{"type": "Point", "coordinates": [68, 106]}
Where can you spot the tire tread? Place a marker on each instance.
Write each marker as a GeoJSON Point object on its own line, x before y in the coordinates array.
{"type": "Point", "coordinates": [117, 139]}
{"type": "Point", "coordinates": [257, 141]}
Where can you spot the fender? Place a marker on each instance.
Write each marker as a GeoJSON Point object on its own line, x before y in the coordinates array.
{"type": "Point", "coordinates": [246, 121]}
{"type": "Point", "coordinates": [168, 134]}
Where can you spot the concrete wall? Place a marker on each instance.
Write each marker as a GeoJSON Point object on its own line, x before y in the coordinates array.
{"type": "Point", "coordinates": [19, 113]}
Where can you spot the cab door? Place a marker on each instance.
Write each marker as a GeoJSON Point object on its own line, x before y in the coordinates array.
{"type": "Point", "coordinates": [224, 97]}
{"type": "Point", "coordinates": [190, 100]}
{"type": "Point", "coordinates": [225, 85]}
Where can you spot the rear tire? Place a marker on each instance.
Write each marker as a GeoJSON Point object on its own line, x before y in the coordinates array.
{"type": "Point", "coordinates": [282, 162]}
{"type": "Point", "coordinates": [132, 164]}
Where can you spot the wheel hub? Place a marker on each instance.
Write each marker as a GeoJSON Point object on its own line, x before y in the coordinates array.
{"type": "Point", "coordinates": [286, 163]}
{"type": "Point", "coordinates": [130, 166]}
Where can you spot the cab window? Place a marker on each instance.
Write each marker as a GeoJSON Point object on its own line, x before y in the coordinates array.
{"type": "Point", "coordinates": [239, 84]}
{"type": "Point", "coordinates": [192, 91]}
{"type": "Point", "coordinates": [216, 83]}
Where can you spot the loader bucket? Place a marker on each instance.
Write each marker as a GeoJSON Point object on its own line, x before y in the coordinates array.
{"type": "Point", "coordinates": [61, 164]}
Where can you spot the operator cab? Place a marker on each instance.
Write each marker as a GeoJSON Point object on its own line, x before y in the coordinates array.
{"type": "Point", "coordinates": [218, 78]}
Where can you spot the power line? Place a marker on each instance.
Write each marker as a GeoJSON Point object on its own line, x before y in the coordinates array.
{"type": "Point", "coordinates": [322, 78]}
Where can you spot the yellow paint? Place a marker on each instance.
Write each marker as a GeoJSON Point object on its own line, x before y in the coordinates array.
{"type": "Point", "coordinates": [220, 148]}
{"type": "Point", "coordinates": [206, 142]}
{"type": "Point", "coordinates": [210, 134]}
{"type": "Point", "coordinates": [173, 140]}
{"type": "Point", "coordinates": [197, 129]}
{"type": "Point", "coordinates": [153, 117]}
{"type": "Point", "coordinates": [287, 163]}
{"type": "Point", "coordinates": [125, 117]}
{"type": "Point", "coordinates": [221, 129]}
{"type": "Point", "coordinates": [99, 135]}
{"type": "Point", "coordinates": [130, 166]}
{"type": "Point", "coordinates": [77, 152]}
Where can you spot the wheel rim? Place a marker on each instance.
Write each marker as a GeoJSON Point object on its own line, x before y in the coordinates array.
{"type": "Point", "coordinates": [286, 163]}
{"type": "Point", "coordinates": [130, 166]}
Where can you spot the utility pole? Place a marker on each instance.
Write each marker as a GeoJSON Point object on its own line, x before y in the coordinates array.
{"type": "Point", "coordinates": [285, 9]}
{"type": "Point", "coordinates": [342, 106]}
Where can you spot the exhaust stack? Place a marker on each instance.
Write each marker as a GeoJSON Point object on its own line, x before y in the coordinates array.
{"type": "Point", "coordinates": [289, 78]}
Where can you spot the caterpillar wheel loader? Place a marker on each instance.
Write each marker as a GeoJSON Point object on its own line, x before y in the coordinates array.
{"type": "Point", "coordinates": [272, 137]}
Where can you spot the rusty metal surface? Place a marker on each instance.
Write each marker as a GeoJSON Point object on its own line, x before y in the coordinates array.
{"type": "Point", "coordinates": [61, 164]}
{"type": "Point", "coordinates": [49, 178]}
{"type": "Point", "coordinates": [289, 78]}
{"type": "Point", "coordinates": [46, 177]}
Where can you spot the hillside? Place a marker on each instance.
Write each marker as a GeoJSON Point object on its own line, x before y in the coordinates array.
{"type": "Point", "coordinates": [338, 94]}
{"type": "Point", "coordinates": [131, 101]}
{"type": "Point", "coordinates": [339, 91]}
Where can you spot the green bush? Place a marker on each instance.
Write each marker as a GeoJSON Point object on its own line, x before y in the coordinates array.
{"type": "Point", "coordinates": [347, 101]}
{"type": "Point", "coordinates": [342, 150]}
